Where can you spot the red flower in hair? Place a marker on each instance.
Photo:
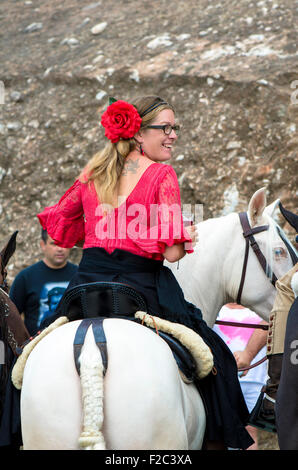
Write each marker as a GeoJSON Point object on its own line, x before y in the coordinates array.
{"type": "Point", "coordinates": [121, 120]}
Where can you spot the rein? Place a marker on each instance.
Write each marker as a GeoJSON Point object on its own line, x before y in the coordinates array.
{"type": "Point", "coordinates": [246, 325]}
{"type": "Point", "coordinates": [242, 369]}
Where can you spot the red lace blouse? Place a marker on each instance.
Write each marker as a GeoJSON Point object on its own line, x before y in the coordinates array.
{"type": "Point", "coordinates": [144, 223]}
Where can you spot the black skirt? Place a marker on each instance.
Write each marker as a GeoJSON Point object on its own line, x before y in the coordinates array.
{"type": "Point", "coordinates": [226, 410]}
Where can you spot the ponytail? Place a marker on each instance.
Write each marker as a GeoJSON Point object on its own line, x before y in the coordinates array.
{"type": "Point", "coordinates": [105, 168]}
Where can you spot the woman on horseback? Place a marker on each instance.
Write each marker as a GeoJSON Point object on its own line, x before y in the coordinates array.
{"type": "Point", "coordinates": [125, 210]}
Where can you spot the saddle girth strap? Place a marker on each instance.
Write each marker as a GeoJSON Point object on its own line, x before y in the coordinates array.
{"type": "Point", "coordinates": [99, 336]}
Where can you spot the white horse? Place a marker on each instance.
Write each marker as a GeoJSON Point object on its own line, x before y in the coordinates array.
{"type": "Point", "coordinates": [146, 405]}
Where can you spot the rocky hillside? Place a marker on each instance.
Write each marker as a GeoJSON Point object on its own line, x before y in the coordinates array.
{"type": "Point", "coordinates": [228, 66]}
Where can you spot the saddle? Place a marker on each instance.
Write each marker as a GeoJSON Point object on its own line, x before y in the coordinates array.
{"type": "Point", "coordinates": [98, 299]}
{"type": "Point", "coordinates": [95, 301]}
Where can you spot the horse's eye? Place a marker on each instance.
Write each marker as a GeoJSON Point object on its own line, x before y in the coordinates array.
{"type": "Point", "coordinates": [279, 252]}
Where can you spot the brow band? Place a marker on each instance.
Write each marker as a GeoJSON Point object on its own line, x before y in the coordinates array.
{"type": "Point", "coordinates": [151, 107]}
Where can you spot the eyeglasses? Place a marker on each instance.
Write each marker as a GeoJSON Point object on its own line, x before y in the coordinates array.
{"type": "Point", "coordinates": [167, 128]}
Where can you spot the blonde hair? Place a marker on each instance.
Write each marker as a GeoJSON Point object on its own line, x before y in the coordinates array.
{"type": "Point", "coordinates": [106, 166]}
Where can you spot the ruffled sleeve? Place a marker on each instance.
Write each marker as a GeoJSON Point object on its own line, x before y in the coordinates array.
{"type": "Point", "coordinates": [166, 222]}
{"type": "Point", "coordinates": [64, 221]}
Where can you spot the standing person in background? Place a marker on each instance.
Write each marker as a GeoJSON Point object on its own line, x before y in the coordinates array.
{"type": "Point", "coordinates": [37, 289]}
{"type": "Point", "coordinates": [246, 352]}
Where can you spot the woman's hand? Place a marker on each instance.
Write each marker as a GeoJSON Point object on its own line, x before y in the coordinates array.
{"type": "Point", "coordinates": [174, 253]}
{"type": "Point", "coordinates": [193, 233]}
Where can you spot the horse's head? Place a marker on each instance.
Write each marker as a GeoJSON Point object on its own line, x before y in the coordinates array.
{"type": "Point", "coordinates": [278, 250]}
{"type": "Point", "coordinates": [258, 291]}
{"type": "Point", "coordinates": [5, 256]}
{"type": "Point", "coordinates": [211, 276]}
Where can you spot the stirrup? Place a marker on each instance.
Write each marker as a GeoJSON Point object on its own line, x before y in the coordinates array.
{"type": "Point", "coordinates": [258, 421]}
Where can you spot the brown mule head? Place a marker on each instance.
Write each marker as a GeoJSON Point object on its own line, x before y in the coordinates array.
{"type": "Point", "coordinates": [5, 256]}
{"type": "Point", "coordinates": [12, 327]}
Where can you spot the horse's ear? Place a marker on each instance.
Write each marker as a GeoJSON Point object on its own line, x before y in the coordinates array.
{"type": "Point", "coordinates": [256, 207]}
{"type": "Point", "coordinates": [9, 249]}
{"type": "Point", "coordinates": [269, 210]}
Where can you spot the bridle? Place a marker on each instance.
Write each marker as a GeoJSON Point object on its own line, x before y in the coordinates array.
{"type": "Point", "coordinates": [3, 275]}
{"type": "Point", "coordinates": [5, 255]}
{"type": "Point", "coordinates": [248, 234]}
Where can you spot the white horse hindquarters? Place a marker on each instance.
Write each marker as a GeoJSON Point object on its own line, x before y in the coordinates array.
{"type": "Point", "coordinates": [146, 401]}
{"type": "Point", "coordinates": [146, 404]}
{"type": "Point", "coordinates": [51, 411]}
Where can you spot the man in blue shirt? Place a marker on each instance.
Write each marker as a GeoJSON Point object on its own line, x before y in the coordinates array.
{"type": "Point", "coordinates": [37, 289]}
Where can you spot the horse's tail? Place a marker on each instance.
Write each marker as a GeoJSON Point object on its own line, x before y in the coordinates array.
{"type": "Point", "coordinates": [92, 380]}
